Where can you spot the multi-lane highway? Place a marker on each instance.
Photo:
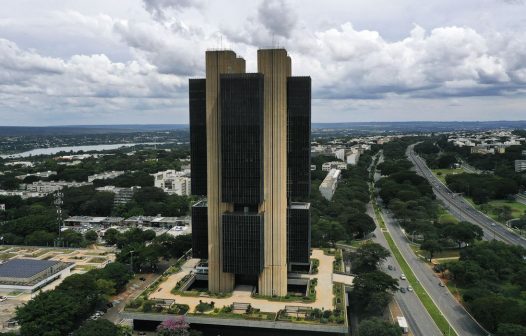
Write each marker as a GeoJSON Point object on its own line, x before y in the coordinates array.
{"type": "Point", "coordinates": [420, 322]}
{"type": "Point", "coordinates": [461, 208]}
{"type": "Point", "coordinates": [452, 310]}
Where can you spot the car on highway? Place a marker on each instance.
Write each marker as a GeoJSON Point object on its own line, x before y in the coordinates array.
{"type": "Point", "coordinates": [402, 276]}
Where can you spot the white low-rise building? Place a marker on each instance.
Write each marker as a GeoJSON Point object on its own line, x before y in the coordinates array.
{"type": "Point", "coordinates": [520, 165]}
{"type": "Point", "coordinates": [52, 186]}
{"type": "Point", "coordinates": [105, 176]}
{"type": "Point", "coordinates": [352, 159]}
{"type": "Point", "coordinates": [327, 166]}
{"type": "Point", "coordinates": [329, 184]}
{"type": "Point", "coordinates": [173, 182]}
{"type": "Point", "coordinates": [45, 174]}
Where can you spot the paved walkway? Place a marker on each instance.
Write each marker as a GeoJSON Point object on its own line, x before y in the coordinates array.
{"type": "Point", "coordinates": [242, 294]}
{"type": "Point", "coordinates": [165, 288]}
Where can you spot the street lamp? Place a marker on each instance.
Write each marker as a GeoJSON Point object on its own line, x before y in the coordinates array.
{"type": "Point", "coordinates": [131, 260]}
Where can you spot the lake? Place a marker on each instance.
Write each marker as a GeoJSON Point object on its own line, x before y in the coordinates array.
{"type": "Point", "coordinates": [55, 150]}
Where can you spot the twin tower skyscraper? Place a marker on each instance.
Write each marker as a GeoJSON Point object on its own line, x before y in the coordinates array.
{"type": "Point", "coordinates": [250, 157]}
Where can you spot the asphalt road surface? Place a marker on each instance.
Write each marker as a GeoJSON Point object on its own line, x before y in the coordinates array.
{"type": "Point", "coordinates": [461, 209]}
{"type": "Point", "coordinates": [452, 310]}
{"type": "Point", "coordinates": [419, 321]}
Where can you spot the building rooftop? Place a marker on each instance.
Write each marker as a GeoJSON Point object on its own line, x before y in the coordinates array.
{"type": "Point", "coordinates": [24, 268]}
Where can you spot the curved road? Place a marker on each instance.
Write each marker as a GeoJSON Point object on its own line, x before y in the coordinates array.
{"type": "Point", "coordinates": [461, 208]}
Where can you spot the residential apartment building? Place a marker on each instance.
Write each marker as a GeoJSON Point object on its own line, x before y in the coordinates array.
{"type": "Point", "coordinates": [328, 186]}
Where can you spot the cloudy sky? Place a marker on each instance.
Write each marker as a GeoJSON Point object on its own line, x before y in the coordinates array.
{"type": "Point", "coordinates": [128, 61]}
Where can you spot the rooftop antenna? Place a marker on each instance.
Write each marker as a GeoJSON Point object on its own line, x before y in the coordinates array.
{"type": "Point", "coordinates": [58, 201]}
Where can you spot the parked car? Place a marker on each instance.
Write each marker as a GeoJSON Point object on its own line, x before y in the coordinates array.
{"type": "Point", "coordinates": [402, 276]}
{"type": "Point", "coordinates": [409, 288]}
{"type": "Point", "coordinates": [402, 289]}
{"type": "Point", "coordinates": [441, 284]}
{"type": "Point", "coordinates": [390, 267]}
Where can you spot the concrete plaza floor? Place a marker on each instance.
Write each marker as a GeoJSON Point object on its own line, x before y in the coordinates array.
{"type": "Point", "coordinates": [242, 294]}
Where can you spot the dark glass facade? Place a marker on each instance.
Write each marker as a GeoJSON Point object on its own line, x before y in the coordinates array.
{"type": "Point", "coordinates": [242, 138]}
{"type": "Point", "coordinates": [298, 136]}
{"type": "Point", "coordinates": [198, 165]}
{"type": "Point", "coordinates": [242, 243]}
{"type": "Point", "coordinates": [298, 233]}
{"type": "Point", "coordinates": [200, 230]}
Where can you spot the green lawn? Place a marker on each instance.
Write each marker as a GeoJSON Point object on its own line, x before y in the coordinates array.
{"type": "Point", "coordinates": [490, 208]}
{"type": "Point", "coordinates": [442, 173]}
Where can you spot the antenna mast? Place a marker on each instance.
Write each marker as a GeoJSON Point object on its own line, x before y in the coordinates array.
{"type": "Point", "coordinates": [58, 201]}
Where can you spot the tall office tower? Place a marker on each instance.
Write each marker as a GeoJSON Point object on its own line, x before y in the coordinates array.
{"type": "Point", "coordinates": [257, 162]}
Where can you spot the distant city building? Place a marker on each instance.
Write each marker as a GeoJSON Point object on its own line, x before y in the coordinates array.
{"type": "Point", "coordinates": [352, 159]}
{"type": "Point", "coordinates": [20, 163]}
{"type": "Point", "coordinates": [173, 182]}
{"type": "Point", "coordinates": [52, 186]}
{"type": "Point", "coordinates": [520, 165]}
{"type": "Point", "coordinates": [329, 184]}
{"type": "Point", "coordinates": [105, 175]}
{"type": "Point", "coordinates": [122, 195]}
{"type": "Point", "coordinates": [83, 221]}
{"type": "Point", "coordinates": [29, 275]}
{"type": "Point", "coordinates": [157, 221]}
{"type": "Point", "coordinates": [22, 193]}
{"type": "Point", "coordinates": [340, 154]}
{"type": "Point", "coordinates": [327, 166]}
{"type": "Point", "coordinates": [482, 150]}
{"type": "Point", "coordinates": [45, 174]}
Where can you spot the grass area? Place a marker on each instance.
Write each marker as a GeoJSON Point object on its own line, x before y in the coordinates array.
{"type": "Point", "coordinates": [491, 208]}
{"type": "Point", "coordinates": [445, 217]}
{"type": "Point", "coordinates": [358, 243]}
{"type": "Point", "coordinates": [36, 254]}
{"type": "Point", "coordinates": [449, 253]}
{"type": "Point", "coordinates": [442, 173]}
{"type": "Point", "coordinates": [85, 267]}
{"type": "Point", "coordinates": [8, 255]}
{"type": "Point", "coordinates": [97, 260]}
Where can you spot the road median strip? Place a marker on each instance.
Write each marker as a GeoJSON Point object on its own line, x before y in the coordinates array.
{"type": "Point", "coordinates": [419, 290]}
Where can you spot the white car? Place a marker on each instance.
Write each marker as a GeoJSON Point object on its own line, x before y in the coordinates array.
{"type": "Point", "coordinates": [402, 276]}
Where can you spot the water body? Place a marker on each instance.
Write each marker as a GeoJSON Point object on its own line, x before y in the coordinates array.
{"type": "Point", "coordinates": [55, 150]}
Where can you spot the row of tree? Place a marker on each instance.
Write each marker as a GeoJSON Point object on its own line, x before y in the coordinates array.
{"type": "Point", "coordinates": [372, 291]}
{"type": "Point", "coordinates": [411, 200]}
{"type": "Point", "coordinates": [63, 309]}
{"type": "Point", "coordinates": [482, 187]}
{"type": "Point", "coordinates": [344, 217]}
{"type": "Point", "coordinates": [144, 250]}
{"type": "Point", "coordinates": [491, 278]}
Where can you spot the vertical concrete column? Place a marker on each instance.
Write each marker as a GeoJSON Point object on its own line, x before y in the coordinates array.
{"type": "Point", "coordinates": [217, 63]}
{"type": "Point", "coordinates": [275, 65]}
